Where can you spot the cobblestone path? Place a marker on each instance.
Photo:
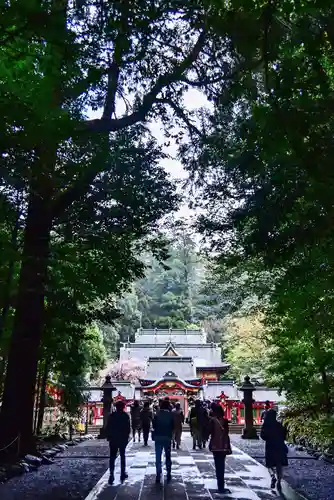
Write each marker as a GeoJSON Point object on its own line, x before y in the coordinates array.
{"type": "Point", "coordinates": [193, 478]}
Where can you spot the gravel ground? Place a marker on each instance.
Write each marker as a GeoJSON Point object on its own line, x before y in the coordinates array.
{"type": "Point", "coordinates": [312, 478]}
{"type": "Point", "coordinates": [72, 476]}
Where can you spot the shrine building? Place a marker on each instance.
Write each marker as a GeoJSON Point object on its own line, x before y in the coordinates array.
{"type": "Point", "coordinates": [178, 363]}
{"type": "Point", "coordinates": [182, 365]}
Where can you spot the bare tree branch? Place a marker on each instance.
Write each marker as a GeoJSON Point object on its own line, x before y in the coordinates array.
{"type": "Point", "coordinates": [104, 125]}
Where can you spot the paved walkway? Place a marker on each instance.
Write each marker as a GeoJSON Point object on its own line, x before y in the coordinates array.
{"type": "Point", "coordinates": [193, 478]}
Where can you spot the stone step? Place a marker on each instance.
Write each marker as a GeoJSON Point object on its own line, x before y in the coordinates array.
{"type": "Point", "coordinates": [94, 429]}
{"type": "Point", "coordinates": [238, 428]}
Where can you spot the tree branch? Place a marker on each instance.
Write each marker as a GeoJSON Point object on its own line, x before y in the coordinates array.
{"type": "Point", "coordinates": [181, 114]}
{"type": "Point", "coordinates": [104, 125]}
{"type": "Point", "coordinates": [120, 48]}
{"type": "Point", "coordinates": [81, 185]}
{"type": "Point", "coordinates": [110, 100]}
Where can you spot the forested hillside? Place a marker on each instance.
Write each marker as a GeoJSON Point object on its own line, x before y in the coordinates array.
{"type": "Point", "coordinates": [170, 294]}
{"type": "Point", "coordinates": [185, 291]}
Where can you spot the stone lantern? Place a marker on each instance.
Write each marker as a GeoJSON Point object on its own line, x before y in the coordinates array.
{"type": "Point", "coordinates": [247, 388]}
{"type": "Point", "coordinates": [107, 389]}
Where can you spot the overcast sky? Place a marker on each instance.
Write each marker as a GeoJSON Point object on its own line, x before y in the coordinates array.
{"type": "Point", "coordinates": [193, 99]}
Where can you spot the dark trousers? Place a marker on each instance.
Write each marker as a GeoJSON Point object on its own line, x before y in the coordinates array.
{"type": "Point", "coordinates": [113, 454]}
{"type": "Point", "coordinates": [220, 458]}
{"type": "Point", "coordinates": [160, 445]}
{"type": "Point", "coordinates": [134, 430]}
{"type": "Point", "coordinates": [146, 432]}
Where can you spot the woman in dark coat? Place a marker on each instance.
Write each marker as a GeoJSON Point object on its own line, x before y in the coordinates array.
{"type": "Point", "coordinates": [220, 445]}
{"type": "Point", "coordinates": [274, 434]}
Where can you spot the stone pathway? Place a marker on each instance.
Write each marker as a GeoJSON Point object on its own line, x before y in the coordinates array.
{"type": "Point", "coordinates": [193, 478]}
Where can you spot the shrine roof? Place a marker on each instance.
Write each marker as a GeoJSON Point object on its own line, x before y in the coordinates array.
{"type": "Point", "coordinates": [209, 368]}
{"type": "Point", "coordinates": [204, 363]}
{"type": "Point", "coordinates": [163, 345]}
{"type": "Point", "coordinates": [155, 336]}
{"type": "Point", "coordinates": [165, 359]}
{"type": "Point", "coordinates": [171, 377]}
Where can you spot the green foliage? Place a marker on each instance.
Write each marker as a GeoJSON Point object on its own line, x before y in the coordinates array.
{"type": "Point", "coordinates": [168, 295]}
{"type": "Point", "coordinates": [265, 177]}
{"type": "Point", "coordinates": [92, 190]}
{"type": "Point", "coordinates": [246, 347]}
{"type": "Point", "coordinates": [315, 430]}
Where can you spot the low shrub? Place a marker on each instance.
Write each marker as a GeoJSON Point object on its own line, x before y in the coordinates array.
{"type": "Point", "coordinates": [312, 430]}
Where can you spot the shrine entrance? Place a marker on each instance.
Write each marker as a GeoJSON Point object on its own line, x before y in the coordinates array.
{"type": "Point", "coordinates": [171, 386]}
{"type": "Point", "coordinates": [176, 396]}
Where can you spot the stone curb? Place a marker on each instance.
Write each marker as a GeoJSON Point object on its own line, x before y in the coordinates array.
{"type": "Point", "coordinates": [31, 463]}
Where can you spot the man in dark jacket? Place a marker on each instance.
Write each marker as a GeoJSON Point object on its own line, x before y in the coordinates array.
{"type": "Point", "coordinates": [198, 421]}
{"type": "Point", "coordinates": [178, 417]}
{"type": "Point", "coordinates": [146, 419]}
{"type": "Point", "coordinates": [117, 433]}
{"type": "Point", "coordinates": [135, 420]}
{"type": "Point", "coordinates": [163, 426]}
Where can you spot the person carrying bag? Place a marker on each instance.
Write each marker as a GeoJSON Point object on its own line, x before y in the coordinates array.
{"type": "Point", "coordinates": [220, 444]}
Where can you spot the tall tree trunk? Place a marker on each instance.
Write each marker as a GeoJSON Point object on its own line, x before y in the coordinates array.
{"type": "Point", "coordinates": [7, 291]}
{"type": "Point", "coordinates": [16, 417]}
{"type": "Point", "coordinates": [42, 399]}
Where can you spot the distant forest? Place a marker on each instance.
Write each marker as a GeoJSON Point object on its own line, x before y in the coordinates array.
{"type": "Point", "coordinates": [184, 291]}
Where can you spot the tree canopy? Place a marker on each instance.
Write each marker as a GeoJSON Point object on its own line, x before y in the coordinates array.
{"type": "Point", "coordinates": [83, 190]}
{"type": "Point", "coordinates": [60, 62]}
{"type": "Point", "coordinates": [265, 182]}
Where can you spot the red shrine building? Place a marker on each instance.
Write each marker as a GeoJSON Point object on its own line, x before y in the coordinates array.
{"type": "Point", "coordinates": [182, 365]}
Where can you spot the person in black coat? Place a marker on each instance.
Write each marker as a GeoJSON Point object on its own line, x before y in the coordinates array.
{"type": "Point", "coordinates": [276, 453]}
{"type": "Point", "coordinates": [146, 418]}
{"type": "Point", "coordinates": [117, 433]}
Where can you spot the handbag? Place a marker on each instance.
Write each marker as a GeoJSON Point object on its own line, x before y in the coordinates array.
{"type": "Point", "coordinates": [153, 435]}
{"type": "Point", "coordinates": [226, 443]}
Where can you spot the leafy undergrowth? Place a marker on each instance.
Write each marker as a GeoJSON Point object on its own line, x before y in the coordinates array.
{"type": "Point", "coordinates": [312, 430]}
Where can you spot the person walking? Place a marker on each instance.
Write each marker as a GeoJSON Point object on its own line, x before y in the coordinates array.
{"type": "Point", "coordinates": [205, 425]}
{"type": "Point", "coordinates": [91, 416]}
{"type": "Point", "coordinates": [178, 421]}
{"type": "Point", "coordinates": [197, 422]}
{"type": "Point", "coordinates": [135, 420]}
{"type": "Point", "coordinates": [276, 451]}
{"type": "Point", "coordinates": [163, 427]}
{"type": "Point", "coordinates": [118, 433]}
{"type": "Point", "coordinates": [219, 445]}
{"type": "Point", "coordinates": [267, 407]}
{"type": "Point", "coordinates": [191, 405]}
{"type": "Point", "coordinates": [145, 421]}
